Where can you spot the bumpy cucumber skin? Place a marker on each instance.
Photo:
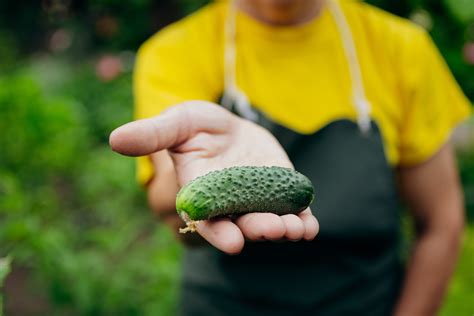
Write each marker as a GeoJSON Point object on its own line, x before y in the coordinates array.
{"type": "Point", "coordinates": [239, 190]}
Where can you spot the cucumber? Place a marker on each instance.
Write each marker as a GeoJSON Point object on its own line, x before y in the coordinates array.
{"type": "Point", "coordinates": [240, 190]}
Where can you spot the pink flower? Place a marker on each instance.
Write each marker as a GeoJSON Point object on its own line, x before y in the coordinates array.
{"type": "Point", "coordinates": [468, 52]}
{"type": "Point", "coordinates": [108, 67]}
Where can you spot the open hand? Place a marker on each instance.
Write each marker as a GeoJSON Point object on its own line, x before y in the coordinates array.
{"type": "Point", "coordinates": [201, 137]}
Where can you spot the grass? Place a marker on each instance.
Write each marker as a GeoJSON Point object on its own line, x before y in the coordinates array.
{"type": "Point", "coordinates": [460, 297]}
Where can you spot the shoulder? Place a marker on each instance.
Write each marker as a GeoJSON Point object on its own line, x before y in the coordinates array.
{"type": "Point", "coordinates": [383, 29]}
{"type": "Point", "coordinates": [396, 44]}
{"type": "Point", "coordinates": [377, 18]}
{"type": "Point", "coordinates": [197, 30]}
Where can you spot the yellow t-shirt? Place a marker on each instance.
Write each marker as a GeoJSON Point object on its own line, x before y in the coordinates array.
{"type": "Point", "coordinates": [299, 76]}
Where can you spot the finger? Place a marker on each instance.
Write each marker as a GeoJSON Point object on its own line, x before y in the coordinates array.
{"type": "Point", "coordinates": [261, 226]}
{"type": "Point", "coordinates": [222, 234]}
{"type": "Point", "coordinates": [311, 224]}
{"type": "Point", "coordinates": [295, 228]}
{"type": "Point", "coordinates": [170, 129]}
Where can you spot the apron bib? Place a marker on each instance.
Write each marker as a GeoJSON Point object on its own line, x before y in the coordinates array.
{"type": "Point", "coordinates": [352, 267]}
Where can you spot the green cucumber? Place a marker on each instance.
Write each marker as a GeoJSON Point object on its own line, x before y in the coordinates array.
{"type": "Point", "coordinates": [240, 190]}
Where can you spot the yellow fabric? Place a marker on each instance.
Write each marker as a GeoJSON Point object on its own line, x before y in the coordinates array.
{"type": "Point", "coordinates": [300, 78]}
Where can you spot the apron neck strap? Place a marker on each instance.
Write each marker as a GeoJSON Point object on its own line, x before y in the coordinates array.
{"type": "Point", "coordinates": [233, 96]}
{"type": "Point", "coordinates": [359, 98]}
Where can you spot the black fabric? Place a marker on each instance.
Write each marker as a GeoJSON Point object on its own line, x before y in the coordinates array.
{"type": "Point", "coordinates": [351, 268]}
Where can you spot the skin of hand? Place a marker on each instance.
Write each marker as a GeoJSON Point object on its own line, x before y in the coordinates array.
{"type": "Point", "coordinates": [433, 194]}
{"type": "Point", "coordinates": [201, 137]}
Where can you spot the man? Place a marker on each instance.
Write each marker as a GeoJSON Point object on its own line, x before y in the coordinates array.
{"type": "Point", "coordinates": [350, 96]}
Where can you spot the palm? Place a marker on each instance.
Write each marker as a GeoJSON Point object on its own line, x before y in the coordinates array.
{"type": "Point", "coordinates": [240, 143]}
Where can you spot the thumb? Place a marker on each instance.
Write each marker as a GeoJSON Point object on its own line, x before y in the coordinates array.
{"type": "Point", "coordinates": [170, 129]}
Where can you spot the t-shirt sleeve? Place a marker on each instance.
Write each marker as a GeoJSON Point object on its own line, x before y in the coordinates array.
{"type": "Point", "coordinates": [170, 69]}
{"type": "Point", "coordinates": [433, 103]}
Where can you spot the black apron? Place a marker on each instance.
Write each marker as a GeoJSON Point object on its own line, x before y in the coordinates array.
{"type": "Point", "coordinates": [351, 268]}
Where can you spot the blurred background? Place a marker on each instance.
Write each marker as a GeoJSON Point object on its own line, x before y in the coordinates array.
{"type": "Point", "coordinates": [76, 237]}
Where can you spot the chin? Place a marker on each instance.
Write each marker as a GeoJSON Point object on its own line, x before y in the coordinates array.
{"type": "Point", "coordinates": [280, 12]}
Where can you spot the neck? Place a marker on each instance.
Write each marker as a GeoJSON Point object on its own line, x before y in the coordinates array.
{"type": "Point", "coordinates": [281, 12]}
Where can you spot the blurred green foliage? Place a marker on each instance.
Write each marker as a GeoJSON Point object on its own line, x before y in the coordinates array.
{"type": "Point", "coordinates": [70, 209]}
{"type": "Point", "coordinates": [71, 212]}
{"type": "Point", "coordinates": [459, 300]}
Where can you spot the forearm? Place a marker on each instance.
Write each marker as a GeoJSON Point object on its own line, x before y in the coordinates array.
{"type": "Point", "coordinates": [433, 193]}
{"type": "Point", "coordinates": [429, 270]}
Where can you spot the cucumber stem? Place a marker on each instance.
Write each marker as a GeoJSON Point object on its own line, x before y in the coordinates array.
{"type": "Point", "coordinates": [191, 226]}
